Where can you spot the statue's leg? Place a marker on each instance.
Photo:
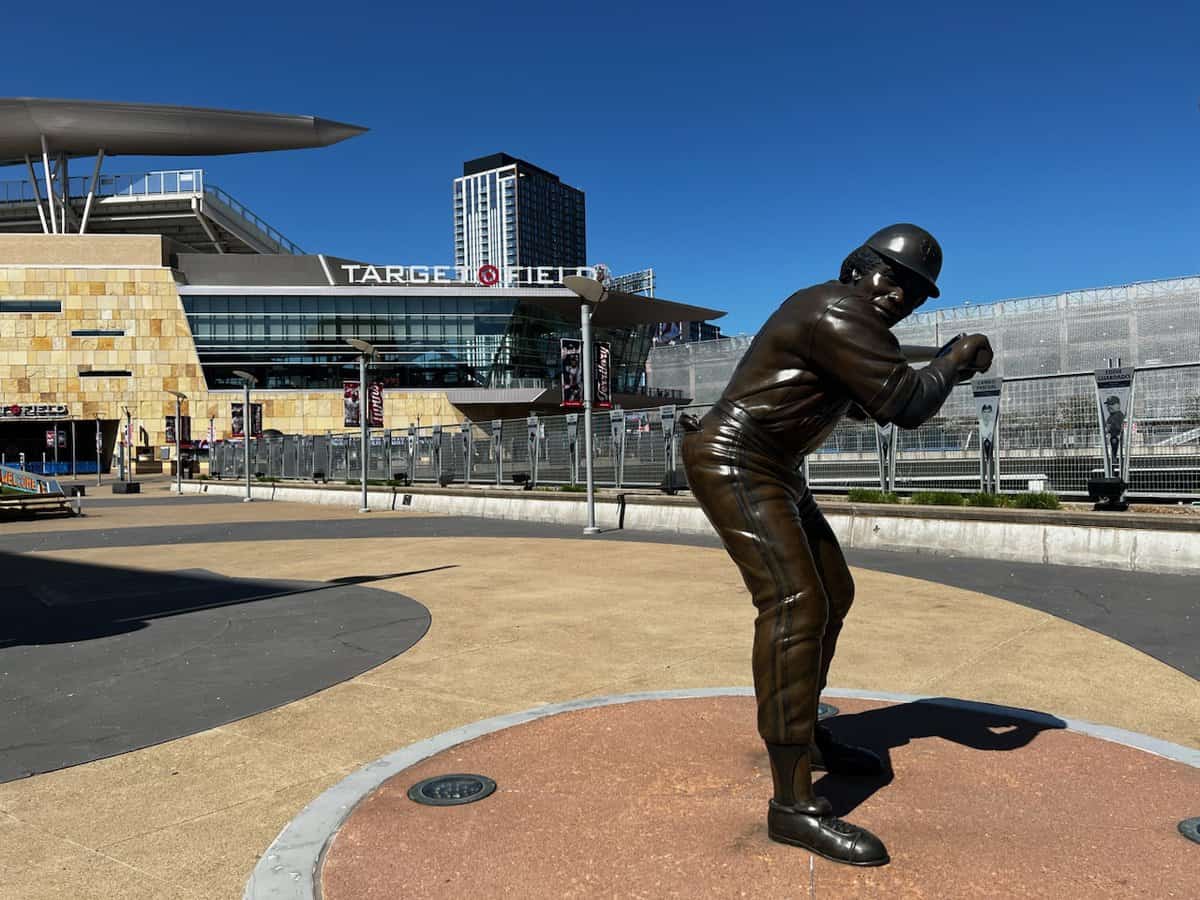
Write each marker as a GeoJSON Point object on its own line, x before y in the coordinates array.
{"type": "Point", "coordinates": [828, 753]}
{"type": "Point", "coordinates": [835, 579]}
{"type": "Point", "coordinates": [754, 505]}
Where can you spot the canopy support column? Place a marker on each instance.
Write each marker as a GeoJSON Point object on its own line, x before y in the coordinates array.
{"type": "Point", "coordinates": [87, 206]}
{"type": "Point", "coordinates": [37, 194]}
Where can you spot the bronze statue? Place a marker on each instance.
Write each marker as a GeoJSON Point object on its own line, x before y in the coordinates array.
{"type": "Point", "coordinates": [827, 351]}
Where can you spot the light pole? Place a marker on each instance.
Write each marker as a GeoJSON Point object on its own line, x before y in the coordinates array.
{"type": "Point", "coordinates": [179, 398]}
{"type": "Point", "coordinates": [592, 293]}
{"type": "Point", "coordinates": [365, 352]}
{"type": "Point", "coordinates": [248, 381]}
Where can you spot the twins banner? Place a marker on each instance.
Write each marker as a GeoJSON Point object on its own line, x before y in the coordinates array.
{"type": "Point", "coordinates": [1114, 405]}
{"type": "Point", "coordinates": [237, 420]}
{"type": "Point", "coordinates": [986, 392]}
{"type": "Point", "coordinates": [350, 404]}
{"type": "Point", "coordinates": [185, 425]}
{"type": "Point", "coordinates": [572, 374]}
{"type": "Point", "coordinates": [572, 367]}
{"type": "Point", "coordinates": [602, 394]}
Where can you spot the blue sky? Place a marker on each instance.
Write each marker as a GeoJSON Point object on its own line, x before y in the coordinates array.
{"type": "Point", "coordinates": [740, 149]}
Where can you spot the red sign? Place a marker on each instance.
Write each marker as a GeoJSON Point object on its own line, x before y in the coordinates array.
{"type": "Point", "coordinates": [351, 404]}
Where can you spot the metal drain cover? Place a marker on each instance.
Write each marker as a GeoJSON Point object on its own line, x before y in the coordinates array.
{"type": "Point", "coordinates": [824, 711]}
{"type": "Point", "coordinates": [451, 790]}
{"type": "Point", "coordinates": [1190, 829]}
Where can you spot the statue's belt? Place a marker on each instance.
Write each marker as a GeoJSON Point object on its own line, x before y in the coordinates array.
{"type": "Point", "coordinates": [729, 422]}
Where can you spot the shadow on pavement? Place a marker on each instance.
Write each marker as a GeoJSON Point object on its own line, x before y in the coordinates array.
{"type": "Point", "coordinates": [979, 726]}
{"type": "Point", "coordinates": [49, 601]}
{"type": "Point", "coordinates": [99, 660]}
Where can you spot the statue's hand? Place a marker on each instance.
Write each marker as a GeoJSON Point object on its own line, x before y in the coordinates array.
{"type": "Point", "coordinates": [971, 355]}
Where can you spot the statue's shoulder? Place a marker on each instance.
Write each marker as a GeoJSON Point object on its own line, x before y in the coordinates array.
{"type": "Point", "coordinates": [810, 304]}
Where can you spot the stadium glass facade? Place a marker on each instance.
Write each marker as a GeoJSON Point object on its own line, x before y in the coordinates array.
{"type": "Point", "coordinates": [299, 342]}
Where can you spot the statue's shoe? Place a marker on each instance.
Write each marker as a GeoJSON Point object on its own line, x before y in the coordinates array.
{"type": "Point", "coordinates": [813, 827]}
{"type": "Point", "coordinates": [829, 754]}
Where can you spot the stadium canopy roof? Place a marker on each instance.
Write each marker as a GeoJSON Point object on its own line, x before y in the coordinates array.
{"type": "Point", "coordinates": [75, 128]}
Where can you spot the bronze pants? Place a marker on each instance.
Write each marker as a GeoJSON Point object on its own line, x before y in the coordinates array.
{"type": "Point", "coordinates": [789, 557]}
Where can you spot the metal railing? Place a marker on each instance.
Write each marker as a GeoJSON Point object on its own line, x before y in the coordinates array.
{"type": "Point", "coordinates": [165, 183]}
{"type": "Point", "coordinates": [1050, 439]}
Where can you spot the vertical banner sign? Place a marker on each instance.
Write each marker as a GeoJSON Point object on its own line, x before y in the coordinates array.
{"type": "Point", "coordinates": [468, 439]}
{"type": "Point", "coordinates": [986, 392]}
{"type": "Point", "coordinates": [667, 415]}
{"type": "Point", "coordinates": [437, 452]}
{"type": "Point", "coordinates": [237, 420]}
{"type": "Point", "coordinates": [602, 392]}
{"type": "Point", "coordinates": [375, 404]}
{"type": "Point", "coordinates": [412, 453]}
{"type": "Point", "coordinates": [616, 427]}
{"type": "Point", "coordinates": [532, 438]}
{"type": "Point", "coordinates": [350, 405]}
{"type": "Point", "coordinates": [572, 372]}
{"type": "Point", "coordinates": [885, 443]}
{"type": "Point", "coordinates": [185, 425]}
{"type": "Point", "coordinates": [498, 448]}
{"type": "Point", "coordinates": [1114, 404]}
{"type": "Point", "coordinates": [573, 445]}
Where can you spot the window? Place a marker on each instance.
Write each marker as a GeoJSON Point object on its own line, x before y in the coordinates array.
{"type": "Point", "coordinates": [98, 332]}
{"type": "Point", "coordinates": [30, 306]}
{"type": "Point", "coordinates": [105, 373]}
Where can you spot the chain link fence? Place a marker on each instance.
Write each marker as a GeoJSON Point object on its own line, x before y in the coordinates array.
{"type": "Point", "coordinates": [1050, 439]}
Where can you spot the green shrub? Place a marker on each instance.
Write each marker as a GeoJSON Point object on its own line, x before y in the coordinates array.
{"type": "Point", "coordinates": [938, 498]}
{"type": "Point", "coordinates": [573, 488]}
{"type": "Point", "coordinates": [1036, 500]}
{"type": "Point", "coordinates": [871, 495]}
{"type": "Point", "coordinates": [993, 500]}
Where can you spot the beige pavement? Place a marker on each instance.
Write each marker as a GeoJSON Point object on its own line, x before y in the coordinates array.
{"type": "Point", "coordinates": [516, 623]}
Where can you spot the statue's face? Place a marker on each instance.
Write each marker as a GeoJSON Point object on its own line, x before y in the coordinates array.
{"type": "Point", "coordinates": [895, 295]}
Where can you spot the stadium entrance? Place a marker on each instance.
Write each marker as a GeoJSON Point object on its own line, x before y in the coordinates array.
{"type": "Point", "coordinates": [76, 440]}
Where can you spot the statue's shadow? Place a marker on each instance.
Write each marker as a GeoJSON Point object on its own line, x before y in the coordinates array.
{"type": "Point", "coordinates": [980, 726]}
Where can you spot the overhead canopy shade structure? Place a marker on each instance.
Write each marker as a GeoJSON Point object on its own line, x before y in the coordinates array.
{"type": "Point", "coordinates": [84, 127]}
{"type": "Point", "coordinates": [617, 308]}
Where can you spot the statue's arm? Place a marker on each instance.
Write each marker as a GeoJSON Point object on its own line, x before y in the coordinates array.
{"type": "Point", "coordinates": [851, 344]}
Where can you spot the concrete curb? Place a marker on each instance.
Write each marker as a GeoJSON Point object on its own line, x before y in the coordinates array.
{"type": "Point", "coordinates": [1038, 539]}
{"type": "Point", "coordinates": [289, 870]}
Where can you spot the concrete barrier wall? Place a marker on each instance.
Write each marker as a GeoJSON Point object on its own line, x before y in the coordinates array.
{"type": "Point", "coordinates": [1096, 545]}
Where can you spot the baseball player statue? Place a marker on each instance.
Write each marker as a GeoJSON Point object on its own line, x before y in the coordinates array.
{"type": "Point", "coordinates": [827, 351]}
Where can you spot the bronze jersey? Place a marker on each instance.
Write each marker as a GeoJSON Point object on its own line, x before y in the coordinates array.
{"type": "Point", "coordinates": [826, 347]}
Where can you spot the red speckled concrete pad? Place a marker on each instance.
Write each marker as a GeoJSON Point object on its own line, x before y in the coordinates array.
{"type": "Point", "coordinates": [668, 799]}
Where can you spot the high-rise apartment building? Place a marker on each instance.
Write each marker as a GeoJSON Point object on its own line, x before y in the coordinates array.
{"type": "Point", "coordinates": [510, 213]}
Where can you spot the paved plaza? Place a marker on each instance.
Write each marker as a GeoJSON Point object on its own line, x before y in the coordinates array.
{"type": "Point", "coordinates": [183, 676]}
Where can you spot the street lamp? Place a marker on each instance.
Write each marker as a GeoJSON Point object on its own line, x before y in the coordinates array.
{"type": "Point", "coordinates": [365, 352]}
{"type": "Point", "coordinates": [592, 293]}
{"type": "Point", "coordinates": [179, 398]}
{"type": "Point", "coordinates": [248, 381]}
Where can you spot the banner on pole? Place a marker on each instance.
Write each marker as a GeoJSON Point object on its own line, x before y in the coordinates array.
{"type": "Point", "coordinates": [351, 404]}
{"type": "Point", "coordinates": [185, 425]}
{"type": "Point", "coordinates": [571, 350]}
{"type": "Point", "coordinates": [885, 443]}
{"type": "Point", "coordinates": [1114, 405]}
{"type": "Point", "coordinates": [237, 419]}
{"type": "Point", "coordinates": [986, 392]}
{"type": "Point", "coordinates": [602, 392]}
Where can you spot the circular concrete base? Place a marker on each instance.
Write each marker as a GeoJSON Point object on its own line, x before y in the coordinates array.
{"type": "Point", "coordinates": [668, 798]}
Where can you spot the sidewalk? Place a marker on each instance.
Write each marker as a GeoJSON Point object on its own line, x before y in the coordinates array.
{"type": "Point", "coordinates": [516, 624]}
